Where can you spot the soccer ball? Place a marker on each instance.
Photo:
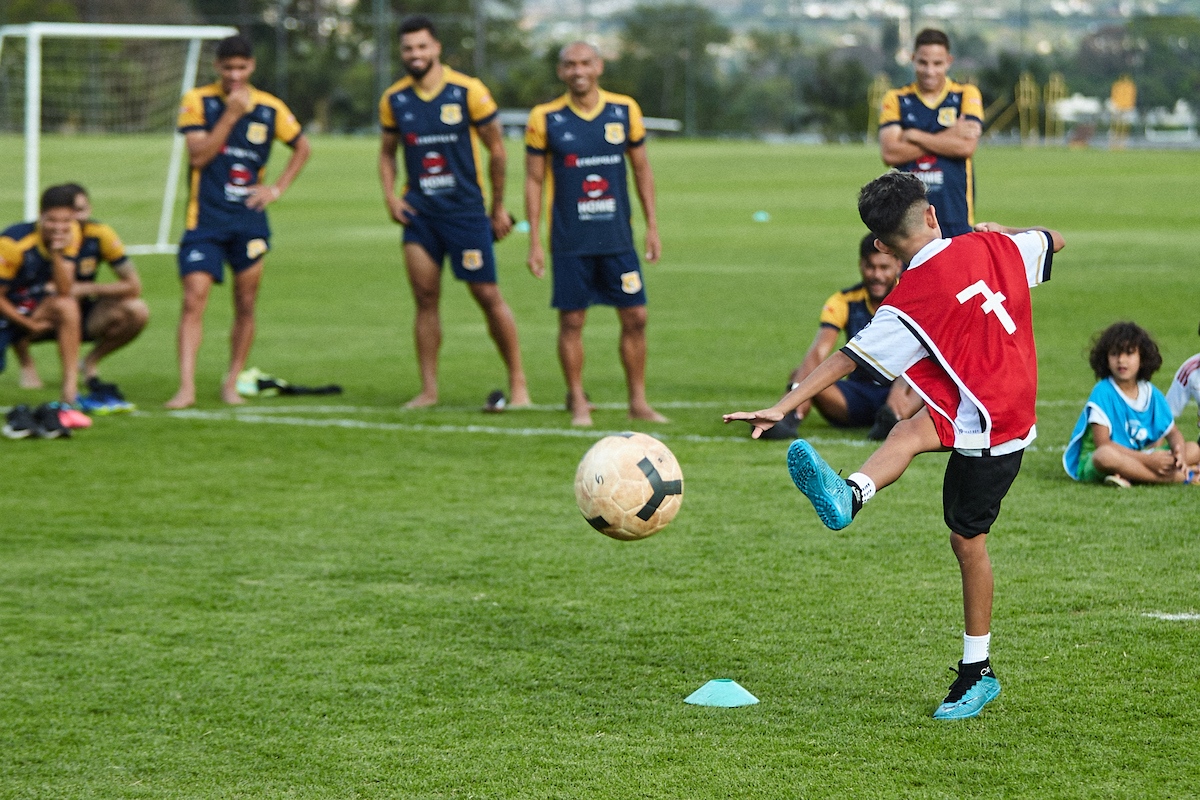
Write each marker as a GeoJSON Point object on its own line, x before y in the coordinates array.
{"type": "Point", "coordinates": [629, 486]}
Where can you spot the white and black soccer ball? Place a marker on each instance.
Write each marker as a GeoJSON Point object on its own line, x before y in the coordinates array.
{"type": "Point", "coordinates": [629, 486]}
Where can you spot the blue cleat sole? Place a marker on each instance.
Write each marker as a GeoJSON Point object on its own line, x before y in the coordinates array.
{"type": "Point", "coordinates": [824, 488]}
{"type": "Point", "coordinates": [970, 704]}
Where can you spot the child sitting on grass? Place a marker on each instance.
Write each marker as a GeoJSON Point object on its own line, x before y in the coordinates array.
{"type": "Point", "coordinates": [1119, 437]}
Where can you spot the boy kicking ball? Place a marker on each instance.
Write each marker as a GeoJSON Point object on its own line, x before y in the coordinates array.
{"type": "Point", "coordinates": [959, 328]}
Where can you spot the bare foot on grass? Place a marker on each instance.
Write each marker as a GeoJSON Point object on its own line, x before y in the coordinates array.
{"type": "Point", "coordinates": [422, 400]}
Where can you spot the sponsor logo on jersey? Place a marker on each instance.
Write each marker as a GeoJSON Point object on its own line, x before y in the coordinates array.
{"type": "Point", "coordinates": [614, 132]}
{"type": "Point", "coordinates": [594, 205]}
{"type": "Point", "coordinates": [240, 152]}
{"type": "Point", "coordinates": [472, 259]}
{"type": "Point", "coordinates": [240, 175]}
{"type": "Point", "coordinates": [947, 117]}
{"type": "Point", "coordinates": [87, 267]}
{"type": "Point", "coordinates": [573, 160]}
{"type": "Point", "coordinates": [451, 114]}
{"type": "Point", "coordinates": [631, 282]}
{"type": "Point", "coordinates": [930, 175]}
{"type": "Point", "coordinates": [594, 185]}
{"type": "Point", "coordinates": [436, 176]}
{"type": "Point", "coordinates": [255, 248]}
{"type": "Point", "coordinates": [256, 133]}
{"type": "Point", "coordinates": [414, 140]}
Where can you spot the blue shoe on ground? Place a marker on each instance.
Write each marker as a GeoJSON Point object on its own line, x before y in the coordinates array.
{"type": "Point", "coordinates": [830, 495]}
{"type": "Point", "coordinates": [975, 687]}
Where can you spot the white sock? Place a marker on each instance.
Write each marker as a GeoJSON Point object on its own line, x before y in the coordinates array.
{"type": "Point", "coordinates": [975, 648]}
{"type": "Point", "coordinates": [864, 484]}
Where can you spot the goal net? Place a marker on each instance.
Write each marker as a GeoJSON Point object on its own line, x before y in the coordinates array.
{"type": "Point", "coordinates": [96, 104]}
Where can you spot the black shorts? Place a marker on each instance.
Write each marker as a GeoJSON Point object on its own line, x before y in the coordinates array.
{"type": "Point", "coordinates": [973, 488]}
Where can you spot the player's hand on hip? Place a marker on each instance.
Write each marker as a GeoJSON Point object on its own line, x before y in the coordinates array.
{"type": "Point", "coordinates": [537, 259]}
{"type": "Point", "coordinates": [260, 195]}
{"type": "Point", "coordinates": [400, 211]}
{"type": "Point", "coordinates": [502, 222]}
{"type": "Point", "coordinates": [759, 420]}
{"type": "Point", "coordinates": [653, 246]}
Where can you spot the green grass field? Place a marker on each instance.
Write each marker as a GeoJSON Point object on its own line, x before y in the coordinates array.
{"type": "Point", "coordinates": [336, 598]}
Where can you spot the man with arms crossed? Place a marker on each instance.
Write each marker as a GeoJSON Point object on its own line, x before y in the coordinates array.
{"type": "Point", "coordinates": [37, 273]}
{"type": "Point", "coordinates": [931, 128]}
{"type": "Point", "coordinates": [439, 115]}
{"type": "Point", "coordinates": [229, 127]}
{"type": "Point", "coordinates": [584, 138]}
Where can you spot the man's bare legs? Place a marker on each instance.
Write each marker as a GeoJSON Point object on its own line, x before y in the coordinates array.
{"type": "Point", "coordinates": [426, 281]}
{"type": "Point", "coordinates": [633, 359]}
{"type": "Point", "coordinates": [196, 286]}
{"type": "Point", "coordinates": [503, 329]}
{"type": "Point", "coordinates": [63, 315]}
{"type": "Point", "coordinates": [241, 334]}
{"type": "Point", "coordinates": [29, 378]}
{"type": "Point", "coordinates": [570, 356]}
{"type": "Point", "coordinates": [112, 324]}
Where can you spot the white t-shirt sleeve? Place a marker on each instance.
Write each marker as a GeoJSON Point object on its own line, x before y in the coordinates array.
{"type": "Point", "coordinates": [887, 345]}
{"type": "Point", "coordinates": [1037, 251]}
{"type": "Point", "coordinates": [1185, 386]}
{"type": "Point", "coordinates": [1096, 416]}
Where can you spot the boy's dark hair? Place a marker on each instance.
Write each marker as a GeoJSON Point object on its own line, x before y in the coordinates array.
{"type": "Point", "coordinates": [61, 196]}
{"type": "Point", "coordinates": [77, 189]}
{"type": "Point", "coordinates": [236, 46]}
{"type": "Point", "coordinates": [866, 248]}
{"type": "Point", "coordinates": [932, 36]}
{"type": "Point", "coordinates": [1121, 337]}
{"type": "Point", "coordinates": [884, 204]}
{"type": "Point", "coordinates": [418, 22]}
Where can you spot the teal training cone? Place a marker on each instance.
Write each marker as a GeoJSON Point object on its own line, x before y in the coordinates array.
{"type": "Point", "coordinates": [722, 692]}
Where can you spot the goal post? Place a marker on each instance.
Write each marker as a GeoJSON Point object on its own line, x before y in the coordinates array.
{"type": "Point", "coordinates": [143, 96]}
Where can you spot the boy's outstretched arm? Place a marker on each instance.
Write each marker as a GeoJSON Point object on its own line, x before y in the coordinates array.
{"type": "Point", "coordinates": [829, 372]}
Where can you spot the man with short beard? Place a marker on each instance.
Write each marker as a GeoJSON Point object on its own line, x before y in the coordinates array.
{"type": "Point", "coordinates": [440, 115]}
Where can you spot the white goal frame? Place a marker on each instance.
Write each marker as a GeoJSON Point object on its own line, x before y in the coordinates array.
{"type": "Point", "coordinates": [35, 32]}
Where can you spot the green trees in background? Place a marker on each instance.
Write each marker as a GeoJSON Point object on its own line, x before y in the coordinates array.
{"type": "Point", "coordinates": [330, 60]}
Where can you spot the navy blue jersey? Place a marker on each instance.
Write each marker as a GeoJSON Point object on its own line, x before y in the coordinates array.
{"type": "Point", "coordinates": [950, 182]}
{"type": "Point", "coordinates": [100, 243]}
{"type": "Point", "coordinates": [849, 311]}
{"type": "Point", "coordinates": [438, 132]}
{"type": "Point", "coordinates": [586, 182]}
{"type": "Point", "coordinates": [26, 267]}
{"type": "Point", "coordinates": [219, 189]}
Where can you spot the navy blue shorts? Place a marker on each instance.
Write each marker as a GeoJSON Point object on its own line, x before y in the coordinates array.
{"type": "Point", "coordinates": [208, 251]}
{"type": "Point", "coordinates": [467, 240]}
{"type": "Point", "coordinates": [610, 280]}
{"type": "Point", "coordinates": [863, 399]}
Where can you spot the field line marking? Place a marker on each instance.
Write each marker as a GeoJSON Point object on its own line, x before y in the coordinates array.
{"type": "Point", "coordinates": [1182, 617]}
{"type": "Point", "coordinates": [496, 430]}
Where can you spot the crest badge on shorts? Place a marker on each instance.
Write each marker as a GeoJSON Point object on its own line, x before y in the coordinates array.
{"type": "Point", "coordinates": [452, 113]}
{"type": "Point", "coordinates": [631, 282]}
{"type": "Point", "coordinates": [947, 117]}
{"type": "Point", "coordinates": [472, 259]}
{"type": "Point", "coordinates": [256, 133]}
{"type": "Point", "coordinates": [614, 132]}
{"type": "Point", "coordinates": [255, 248]}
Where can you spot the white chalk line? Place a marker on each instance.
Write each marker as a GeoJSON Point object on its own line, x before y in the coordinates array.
{"type": "Point", "coordinates": [1181, 617]}
{"type": "Point", "coordinates": [255, 418]}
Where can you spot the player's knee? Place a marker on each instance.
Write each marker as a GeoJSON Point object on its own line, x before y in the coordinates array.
{"type": "Point", "coordinates": [137, 313]}
{"type": "Point", "coordinates": [65, 310]}
{"type": "Point", "coordinates": [633, 320]}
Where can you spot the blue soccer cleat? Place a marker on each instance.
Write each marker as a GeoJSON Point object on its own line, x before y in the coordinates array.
{"type": "Point", "coordinates": [830, 495]}
{"type": "Point", "coordinates": [975, 687]}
